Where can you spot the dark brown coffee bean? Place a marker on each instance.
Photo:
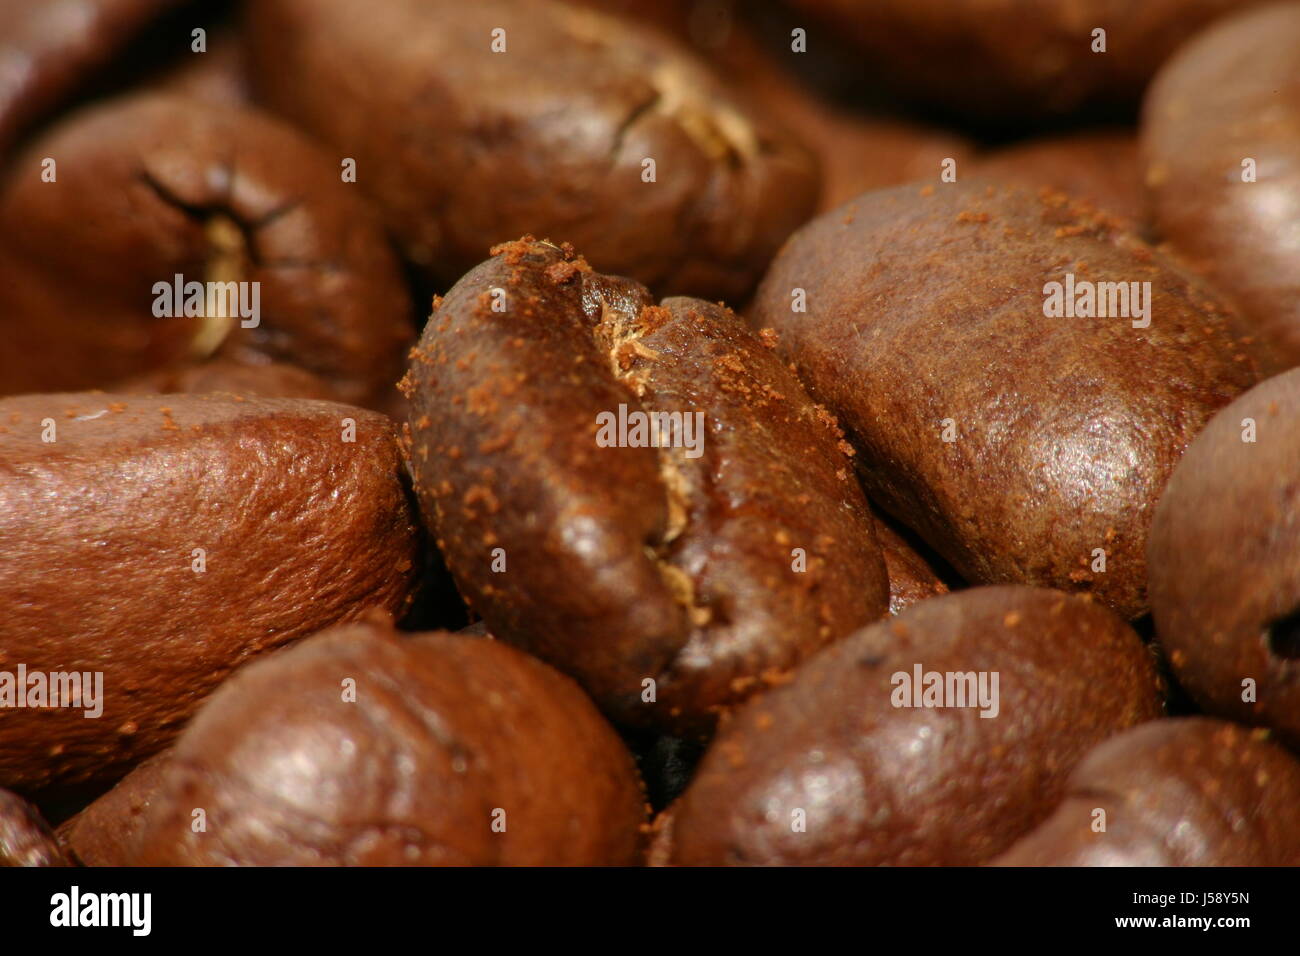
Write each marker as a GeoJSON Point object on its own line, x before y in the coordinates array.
{"type": "Point", "coordinates": [362, 747]}
{"type": "Point", "coordinates": [1101, 166]}
{"type": "Point", "coordinates": [1012, 62]}
{"type": "Point", "coordinates": [1025, 443]}
{"type": "Point", "coordinates": [149, 188]}
{"type": "Point", "coordinates": [50, 48]}
{"type": "Point", "coordinates": [1221, 140]}
{"type": "Point", "coordinates": [1188, 792]}
{"type": "Point", "coordinates": [686, 574]}
{"type": "Point", "coordinates": [25, 838]}
{"type": "Point", "coordinates": [857, 762]}
{"type": "Point", "coordinates": [106, 832]}
{"type": "Point", "coordinates": [479, 122]}
{"type": "Point", "coordinates": [1224, 559]}
{"type": "Point", "coordinates": [159, 542]}
{"type": "Point", "coordinates": [856, 151]}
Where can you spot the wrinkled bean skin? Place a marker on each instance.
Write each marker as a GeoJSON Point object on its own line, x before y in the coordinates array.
{"type": "Point", "coordinates": [463, 147]}
{"type": "Point", "coordinates": [298, 530]}
{"type": "Point", "coordinates": [1224, 559]}
{"type": "Point", "coordinates": [148, 187]}
{"type": "Point", "coordinates": [1232, 94]}
{"type": "Point", "coordinates": [624, 564]}
{"type": "Point", "coordinates": [1188, 792]}
{"type": "Point", "coordinates": [446, 736]}
{"type": "Point", "coordinates": [924, 321]}
{"type": "Point", "coordinates": [883, 784]}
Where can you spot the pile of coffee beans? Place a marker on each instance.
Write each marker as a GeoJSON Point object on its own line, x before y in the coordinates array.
{"type": "Point", "coordinates": [673, 433]}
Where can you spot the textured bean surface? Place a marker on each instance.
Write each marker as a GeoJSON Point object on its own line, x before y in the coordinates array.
{"type": "Point", "coordinates": [623, 564]}
{"type": "Point", "coordinates": [1188, 792]}
{"type": "Point", "coordinates": [298, 529]}
{"type": "Point", "coordinates": [454, 751]}
{"type": "Point", "coordinates": [924, 321]}
{"type": "Point", "coordinates": [883, 784]}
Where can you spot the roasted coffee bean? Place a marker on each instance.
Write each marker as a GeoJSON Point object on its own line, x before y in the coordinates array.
{"type": "Point", "coordinates": [951, 330]}
{"type": "Point", "coordinates": [1221, 141]}
{"type": "Point", "coordinates": [105, 833]}
{"type": "Point", "coordinates": [362, 747]}
{"type": "Point", "coordinates": [1014, 62]}
{"type": "Point", "coordinates": [25, 838]}
{"type": "Point", "coordinates": [476, 123]}
{"type": "Point", "coordinates": [50, 48]}
{"type": "Point", "coordinates": [1101, 166]}
{"type": "Point", "coordinates": [150, 188]}
{"type": "Point", "coordinates": [911, 578]}
{"type": "Point", "coordinates": [857, 151]}
{"type": "Point", "coordinates": [936, 737]}
{"type": "Point", "coordinates": [1224, 560]}
{"type": "Point", "coordinates": [671, 581]}
{"type": "Point", "coordinates": [1186, 792]}
{"type": "Point", "coordinates": [150, 545]}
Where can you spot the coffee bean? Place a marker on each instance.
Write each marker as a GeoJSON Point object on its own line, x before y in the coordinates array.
{"type": "Point", "coordinates": [1222, 153]}
{"type": "Point", "coordinates": [25, 838]}
{"type": "Point", "coordinates": [556, 125]}
{"type": "Point", "coordinates": [1188, 792]}
{"type": "Point", "coordinates": [671, 581]}
{"type": "Point", "coordinates": [156, 543]}
{"type": "Point", "coordinates": [859, 761]}
{"type": "Point", "coordinates": [363, 747]}
{"type": "Point", "coordinates": [153, 199]}
{"type": "Point", "coordinates": [1224, 582]}
{"type": "Point", "coordinates": [1023, 433]}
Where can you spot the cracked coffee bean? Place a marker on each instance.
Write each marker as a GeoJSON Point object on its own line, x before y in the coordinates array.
{"type": "Point", "coordinates": [671, 581]}
{"type": "Point", "coordinates": [465, 141]}
{"type": "Point", "coordinates": [149, 188]}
